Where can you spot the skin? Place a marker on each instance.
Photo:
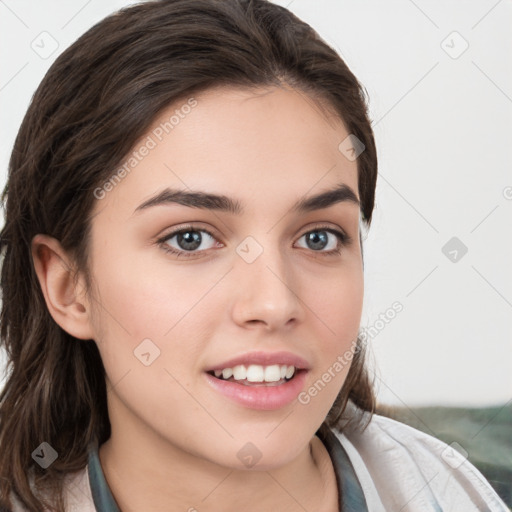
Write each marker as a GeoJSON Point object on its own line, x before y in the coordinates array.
{"type": "Point", "coordinates": [175, 440]}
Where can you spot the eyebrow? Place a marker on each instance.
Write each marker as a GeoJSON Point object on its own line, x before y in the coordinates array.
{"type": "Point", "coordinates": [208, 201]}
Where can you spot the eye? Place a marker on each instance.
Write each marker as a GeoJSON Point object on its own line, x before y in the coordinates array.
{"type": "Point", "coordinates": [190, 241]}
{"type": "Point", "coordinates": [187, 241]}
{"type": "Point", "coordinates": [326, 240]}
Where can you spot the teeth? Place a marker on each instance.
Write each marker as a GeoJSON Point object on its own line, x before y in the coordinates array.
{"type": "Point", "coordinates": [290, 372]}
{"type": "Point", "coordinates": [257, 373]}
{"type": "Point", "coordinates": [227, 373]}
{"type": "Point", "coordinates": [273, 373]}
{"type": "Point", "coordinates": [239, 372]}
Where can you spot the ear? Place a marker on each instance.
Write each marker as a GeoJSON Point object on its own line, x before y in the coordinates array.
{"type": "Point", "coordinates": [65, 299]}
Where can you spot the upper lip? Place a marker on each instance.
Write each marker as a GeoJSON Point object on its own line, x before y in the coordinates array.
{"type": "Point", "coordinates": [263, 359]}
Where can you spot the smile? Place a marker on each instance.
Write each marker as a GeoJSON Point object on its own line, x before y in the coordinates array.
{"type": "Point", "coordinates": [256, 374]}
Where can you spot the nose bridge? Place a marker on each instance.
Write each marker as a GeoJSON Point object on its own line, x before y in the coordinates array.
{"type": "Point", "coordinates": [266, 286]}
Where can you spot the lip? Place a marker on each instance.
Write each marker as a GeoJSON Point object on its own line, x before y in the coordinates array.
{"type": "Point", "coordinates": [264, 359]}
{"type": "Point", "coordinates": [260, 397]}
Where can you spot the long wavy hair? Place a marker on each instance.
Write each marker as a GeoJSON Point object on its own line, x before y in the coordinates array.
{"type": "Point", "coordinates": [97, 99]}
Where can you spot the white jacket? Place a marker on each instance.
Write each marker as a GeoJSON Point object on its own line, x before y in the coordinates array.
{"type": "Point", "coordinates": [403, 469]}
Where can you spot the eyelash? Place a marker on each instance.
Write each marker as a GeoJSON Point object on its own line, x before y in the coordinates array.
{"type": "Point", "coordinates": [342, 237]}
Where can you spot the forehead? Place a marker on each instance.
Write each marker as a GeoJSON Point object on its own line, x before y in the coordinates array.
{"type": "Point", "coordinates": [267, 144]}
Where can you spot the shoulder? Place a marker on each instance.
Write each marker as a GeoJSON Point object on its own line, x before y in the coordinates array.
{"type": "Point", "coordinates": [406, 469]}
{"type": "Point", "coordinates": [77, 493]}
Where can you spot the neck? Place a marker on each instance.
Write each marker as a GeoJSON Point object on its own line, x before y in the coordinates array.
{"type": "Point", "coordinates": [146, 472]}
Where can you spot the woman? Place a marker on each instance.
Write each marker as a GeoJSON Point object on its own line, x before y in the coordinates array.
{"type": "Point", "coordinates": [183, 279]}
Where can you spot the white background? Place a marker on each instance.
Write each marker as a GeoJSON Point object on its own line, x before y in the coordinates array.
{"type": "Point", "coordinates": [443, 128]}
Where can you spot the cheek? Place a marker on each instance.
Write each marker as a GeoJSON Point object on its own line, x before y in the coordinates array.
{"type": "Point", "coordinates": [148, 296]}
{"type": "Point", "coordinates": [152, 312]}
{"type": "Point", "coordinates": [338, 310]}
{"type": "Point", "coordinates": [337, 302]}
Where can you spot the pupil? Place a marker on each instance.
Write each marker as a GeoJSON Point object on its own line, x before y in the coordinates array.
{"type": "Point", "coordinates": [317, 239]}
{"type": "Point", "coordinates": [189, 240]}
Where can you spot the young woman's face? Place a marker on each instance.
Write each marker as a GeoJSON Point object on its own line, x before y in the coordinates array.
{"type": "Point", "coordinates": [252, 278]}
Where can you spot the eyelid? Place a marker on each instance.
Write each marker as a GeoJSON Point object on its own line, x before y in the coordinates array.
{"type": "Point", "coordinates": [187, 226]}
{"type": "Point", "coordinates": [326, 227]}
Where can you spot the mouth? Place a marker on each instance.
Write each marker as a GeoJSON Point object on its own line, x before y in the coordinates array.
{"type": "Point", "coordinates": [260, 380]}
{"type": "Point", "coordinates": [258, 387]}
{"type": "Point", "coordinates": [255, 375]}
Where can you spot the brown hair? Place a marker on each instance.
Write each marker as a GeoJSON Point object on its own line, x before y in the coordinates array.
{"type": "Point", "coordinates": [97, 99]}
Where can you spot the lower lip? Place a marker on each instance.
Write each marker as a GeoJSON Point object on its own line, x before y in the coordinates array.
{"type": "Point", "coordinates": [260, 397]}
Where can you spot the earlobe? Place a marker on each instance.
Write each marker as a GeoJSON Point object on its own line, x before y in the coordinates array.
{"type": "Point", "coordinates": [64, 298]}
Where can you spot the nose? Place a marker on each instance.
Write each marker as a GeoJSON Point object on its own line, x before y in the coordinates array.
{"type": "Point", "coordinates": [266, 293]}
